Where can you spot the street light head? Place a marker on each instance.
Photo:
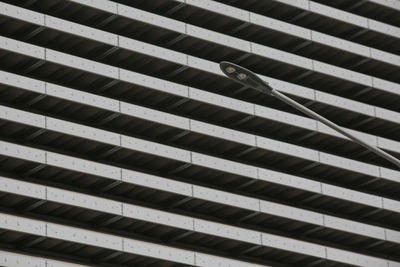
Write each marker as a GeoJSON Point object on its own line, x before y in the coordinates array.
{"type": "Point", "coordinates": [245, 77]}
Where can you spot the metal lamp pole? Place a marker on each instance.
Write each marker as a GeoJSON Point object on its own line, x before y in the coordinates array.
{"type": "Point", "coordinates": [250, 79]}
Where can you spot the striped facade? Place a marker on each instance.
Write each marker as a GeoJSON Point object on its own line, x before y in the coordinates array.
{"type": "Point", "coordinates": [123, 144]}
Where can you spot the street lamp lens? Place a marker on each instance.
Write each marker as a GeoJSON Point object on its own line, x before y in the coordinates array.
{"type": "Point", "coordinates": [242, 76]}
{"type": "Point", "coordinates": [230, 69]}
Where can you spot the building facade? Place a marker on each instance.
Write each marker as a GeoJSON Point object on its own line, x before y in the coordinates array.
{"type": "Point", "coordinates": [123, 144]}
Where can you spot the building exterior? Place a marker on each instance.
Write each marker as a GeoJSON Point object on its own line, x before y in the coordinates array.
{"type": "Point", "coordinates": [123, 144]}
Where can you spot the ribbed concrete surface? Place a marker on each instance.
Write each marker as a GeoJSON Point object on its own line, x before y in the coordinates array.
{"type": "Point", "coordinates": [123, 144]}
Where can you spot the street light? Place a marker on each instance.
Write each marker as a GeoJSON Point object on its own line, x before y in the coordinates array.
{"type": "Point", "coordinates": [250, 79]}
